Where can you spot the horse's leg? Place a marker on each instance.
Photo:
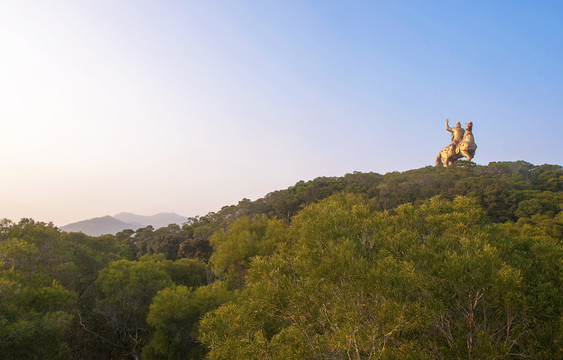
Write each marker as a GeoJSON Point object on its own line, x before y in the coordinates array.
{"type": "Point", "coordinates": [447, 158]}
{"type": "Point", "coordinates": [466, 154]}
{"type": "Point", "coordinates": [438, 160]}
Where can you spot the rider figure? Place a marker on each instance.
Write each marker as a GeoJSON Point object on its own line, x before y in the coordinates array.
{"type": "Point", "coordinates": [457, 132]}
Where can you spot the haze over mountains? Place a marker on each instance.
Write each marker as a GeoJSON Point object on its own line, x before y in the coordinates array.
{"type": "Point", "coordinates": [119, 222]}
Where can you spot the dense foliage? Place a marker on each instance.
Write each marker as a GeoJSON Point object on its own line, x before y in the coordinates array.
{"type": "Point", "coordinates": [463, 262]}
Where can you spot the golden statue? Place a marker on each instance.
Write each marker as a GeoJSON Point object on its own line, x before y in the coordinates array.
{"type": "Point", "coordinates": [462, 145]}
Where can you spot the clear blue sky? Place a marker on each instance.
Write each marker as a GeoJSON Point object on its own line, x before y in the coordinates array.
{"type": "Point", "coordinates": [186, 106]}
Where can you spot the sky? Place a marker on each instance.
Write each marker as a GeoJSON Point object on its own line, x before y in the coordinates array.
{"type": "Point", "coordinates": [187, 106]}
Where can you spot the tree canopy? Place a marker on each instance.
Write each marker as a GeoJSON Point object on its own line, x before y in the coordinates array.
{"type": "Point", "coordinates": [462, 262]}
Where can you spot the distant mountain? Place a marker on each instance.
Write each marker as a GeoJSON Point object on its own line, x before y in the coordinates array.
{"type": "Point", "coordinates": [157, 221]}
{"type": "Point", "coordinates": [99, 226]}
{"type": "Point", "coordinates": [114, 224]}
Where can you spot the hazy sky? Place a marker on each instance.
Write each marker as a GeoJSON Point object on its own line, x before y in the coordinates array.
{"type": "Point", "coordinates": [186, 106]}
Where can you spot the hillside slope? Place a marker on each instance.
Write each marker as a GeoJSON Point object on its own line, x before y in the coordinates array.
{"type": "Point", "coordinates": [507, 191]}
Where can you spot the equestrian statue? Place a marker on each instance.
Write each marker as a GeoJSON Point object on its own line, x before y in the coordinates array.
{"type": "Point", "coordinates": [462, 145]}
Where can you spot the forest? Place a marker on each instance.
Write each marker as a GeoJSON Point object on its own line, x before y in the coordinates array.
{"type": "Point", "coordinates": [463, 262]}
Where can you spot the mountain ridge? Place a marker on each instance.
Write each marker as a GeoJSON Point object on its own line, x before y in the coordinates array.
{"type": "Point", "coordinates": [157, 220]}
{"type": "Point", "coordinates": [113, 224]}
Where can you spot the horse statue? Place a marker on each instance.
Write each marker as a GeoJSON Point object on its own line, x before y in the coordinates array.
{"type": "Point", "coordinates": [465, 148]}
{"type": "Point", "coordinates": [446, 156]}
